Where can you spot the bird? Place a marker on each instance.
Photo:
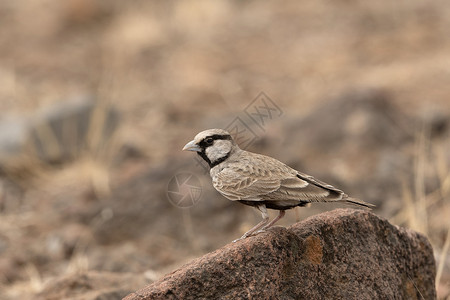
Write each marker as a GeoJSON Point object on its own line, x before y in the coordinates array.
{"type": "Point", "coordinates": [260, 181]}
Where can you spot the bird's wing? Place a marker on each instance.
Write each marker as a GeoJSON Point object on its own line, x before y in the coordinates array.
{"type": "Point", "coordinates": [261, 178]}
{"type": "Point", "coordinates": [316, 182]}
{"type": "Point", "coordinates": [304, 190]}
{"type": "Point", "coordinates": [238, 183]}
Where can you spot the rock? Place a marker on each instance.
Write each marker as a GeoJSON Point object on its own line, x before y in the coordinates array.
{"type": "Point", "coordinates": [342, 254]}
{"type": "Point", "coordinates": [61, 132]}
{"type": "Point", "coordinates": [365, 117]}
{"type": "Point", "coordinates": [13, 132]}
{"type": "Point", "coordinates": [91, 286]}
{"type": "Point", "coordinates": [58, 134]}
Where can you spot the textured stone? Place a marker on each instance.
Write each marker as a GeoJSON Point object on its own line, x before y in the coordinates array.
{"type": "Point", "coordinates": [342, 254]}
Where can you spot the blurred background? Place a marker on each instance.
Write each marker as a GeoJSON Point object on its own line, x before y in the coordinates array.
{"type": "Point", "coordinates": [97, 98]}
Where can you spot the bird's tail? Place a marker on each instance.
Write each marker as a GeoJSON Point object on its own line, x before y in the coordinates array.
{"type": "Point", "coordinates": [357, 202]}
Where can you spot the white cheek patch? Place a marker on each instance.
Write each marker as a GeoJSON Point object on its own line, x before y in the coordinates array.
{"type": "Point", "coordinates": [218, 150]}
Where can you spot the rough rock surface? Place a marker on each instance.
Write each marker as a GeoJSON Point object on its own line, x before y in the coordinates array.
{"type": "Point", "coordinates": [342, 254]}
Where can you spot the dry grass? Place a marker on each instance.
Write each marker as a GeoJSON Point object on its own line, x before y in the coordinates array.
{"type": "Point", "coordinates": [426, 211]}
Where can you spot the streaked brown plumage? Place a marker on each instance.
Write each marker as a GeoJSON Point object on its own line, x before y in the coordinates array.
{"type": "Point", "coordinates": [258, 180]}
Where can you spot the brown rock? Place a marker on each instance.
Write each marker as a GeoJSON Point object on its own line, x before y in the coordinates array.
{"type": "Point", "coordinates": [342, 254]}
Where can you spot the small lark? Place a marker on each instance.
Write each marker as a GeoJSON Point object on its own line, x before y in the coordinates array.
{"type": "Point", "coordinates": [258, 180]}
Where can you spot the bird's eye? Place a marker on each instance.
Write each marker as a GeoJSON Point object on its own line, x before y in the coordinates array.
{"type": "Point", "coordinates": [209, 141]}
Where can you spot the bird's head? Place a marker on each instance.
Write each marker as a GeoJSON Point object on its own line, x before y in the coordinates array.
{"type": "Point", "coordinates": [213, 145]}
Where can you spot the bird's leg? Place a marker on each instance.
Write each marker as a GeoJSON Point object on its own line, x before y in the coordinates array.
{"type": "Point", "coordinates": [280, 215]}
{"type": "Point", "coordinates": [262, 208]}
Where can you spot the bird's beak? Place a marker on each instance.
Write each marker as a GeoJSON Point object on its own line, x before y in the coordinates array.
{"type": "Point", "coordinates": [192, 146]}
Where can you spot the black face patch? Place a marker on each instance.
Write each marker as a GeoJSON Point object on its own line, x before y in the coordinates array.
{"type": "Point", "coordinates": [209, 141]}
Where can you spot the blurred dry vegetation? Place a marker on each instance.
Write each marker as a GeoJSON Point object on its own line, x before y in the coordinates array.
{"type": "Point", "coordinates": [97, 98]}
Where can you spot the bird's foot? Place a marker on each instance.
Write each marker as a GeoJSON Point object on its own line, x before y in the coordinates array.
{"type": "Point", "coordinates": [260, 231]}
{"type": "Point", "coordinates": [246, 235]}
{"type": "Point", "coordinates": [265, 229]}
{"type": "Point", "coordinates": [241, 238]}
{"type": "Point", "coordinates": [251, 234]}
{"type": "Point", "coordinates": [275, 226]}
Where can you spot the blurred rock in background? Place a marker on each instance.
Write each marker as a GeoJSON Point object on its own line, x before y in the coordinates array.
{"type": "Point", "coordinates": [58, 134]}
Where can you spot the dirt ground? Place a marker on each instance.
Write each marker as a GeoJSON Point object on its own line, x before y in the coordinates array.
{"type": "Point", "coordinates": [97, 98]}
